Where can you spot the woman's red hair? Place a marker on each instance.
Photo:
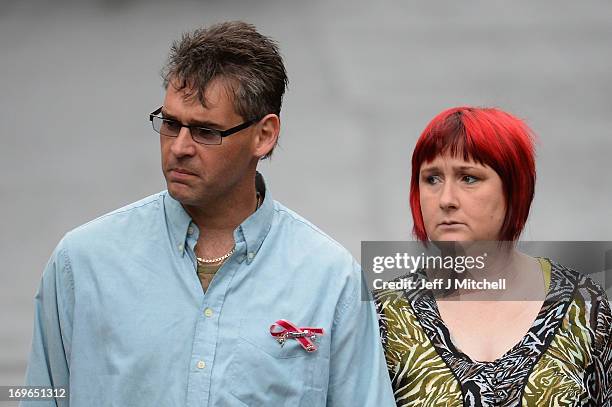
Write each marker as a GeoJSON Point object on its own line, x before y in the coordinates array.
{"type": "Point", "coordinates": [487, 136]}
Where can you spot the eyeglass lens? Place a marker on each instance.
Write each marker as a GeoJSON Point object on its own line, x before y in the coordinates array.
{"type": "Point", "coordinates": [172, 128]}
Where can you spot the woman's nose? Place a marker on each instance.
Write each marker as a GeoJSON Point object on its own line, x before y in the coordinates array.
{"type": "Point", "coordinates": [448, 196]}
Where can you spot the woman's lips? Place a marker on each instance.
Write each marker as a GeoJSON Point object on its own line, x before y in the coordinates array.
{"type": "Point", "coordinates": [450, 225]}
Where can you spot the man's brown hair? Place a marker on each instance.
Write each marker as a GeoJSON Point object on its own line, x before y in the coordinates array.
{"type": "Point", "coordinates": [249, 63]}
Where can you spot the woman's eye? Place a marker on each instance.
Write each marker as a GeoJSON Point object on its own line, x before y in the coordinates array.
{"type": "Point", "coordinates": [469, 179]}
{"type": "Point", "coordinates": [432, 179]}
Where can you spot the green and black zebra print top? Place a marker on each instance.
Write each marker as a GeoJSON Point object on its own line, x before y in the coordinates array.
{"type": "Point", "coordinates": [565, 359]}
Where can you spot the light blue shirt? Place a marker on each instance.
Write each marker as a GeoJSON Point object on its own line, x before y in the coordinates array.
{"type": "Point", "coordinates": [121, 317]}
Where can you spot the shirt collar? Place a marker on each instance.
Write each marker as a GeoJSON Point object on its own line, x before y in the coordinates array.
{"type": "Point", "coordinates": [252, 231]}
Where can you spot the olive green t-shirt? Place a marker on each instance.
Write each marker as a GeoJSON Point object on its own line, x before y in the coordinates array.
{"type": "Point", "coordinates": [206, 272]}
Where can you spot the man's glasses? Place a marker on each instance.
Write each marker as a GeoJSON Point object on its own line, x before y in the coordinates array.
{"type": "Point", "coordinates": [202, 135]}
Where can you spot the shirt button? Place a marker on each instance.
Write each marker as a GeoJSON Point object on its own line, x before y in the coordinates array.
{"type": "Point", "coordinates": [251, 255]}
{"type": "Point", "coordinates": [208, 312]}
{"type": "Point", "coordinates": [180, 248]}
{"type": "Point", "coordinates": [201, 364]}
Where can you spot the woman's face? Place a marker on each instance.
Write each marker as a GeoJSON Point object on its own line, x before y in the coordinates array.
{"type": "Point", "coordinates": [461, 200]}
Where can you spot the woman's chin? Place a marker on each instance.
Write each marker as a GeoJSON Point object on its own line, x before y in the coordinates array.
{"type": "Point", "coordinates": [454, 236]}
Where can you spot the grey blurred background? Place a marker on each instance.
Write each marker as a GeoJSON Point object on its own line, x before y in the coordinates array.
{"type": "Point", "coordinates": [78, 79]}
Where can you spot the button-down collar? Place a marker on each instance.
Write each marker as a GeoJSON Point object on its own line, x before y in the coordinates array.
{"type": "Point", "coordinates": [253, 230]}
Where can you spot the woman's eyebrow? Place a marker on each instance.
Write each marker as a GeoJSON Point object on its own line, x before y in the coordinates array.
{"type": "Point", "coordinates": [459, 168]}
{"type": "Point", "coordinates": [465, 168]}
{"type": "Point", "coordinates": [430, 169]}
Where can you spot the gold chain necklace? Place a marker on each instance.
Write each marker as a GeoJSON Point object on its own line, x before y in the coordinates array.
{"type": "Point", "coordinates": [202, 260]}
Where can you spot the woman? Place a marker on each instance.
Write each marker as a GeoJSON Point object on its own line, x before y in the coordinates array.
{"type": "Point", "coordinates": [473, 179]}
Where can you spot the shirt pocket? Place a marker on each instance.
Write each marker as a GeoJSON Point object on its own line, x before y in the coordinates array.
{"type": "Point", "coordinates": [264, 373]}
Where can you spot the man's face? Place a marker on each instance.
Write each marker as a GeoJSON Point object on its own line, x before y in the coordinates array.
{"type": "Point", "coordinates": [196, 173]}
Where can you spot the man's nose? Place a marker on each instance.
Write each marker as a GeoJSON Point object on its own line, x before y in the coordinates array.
{"type": "Point", "coordinates": [448, 196]}
{"type": "Point", "coordinates": [183, 144]}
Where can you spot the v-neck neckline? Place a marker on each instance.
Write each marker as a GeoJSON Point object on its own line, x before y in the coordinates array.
{"type": "Point", "coordinates": [516, 363]}
{"type": "Point", "coordinates": [546, 269]}
{"type": "Point", "coordinates": [560, 287]}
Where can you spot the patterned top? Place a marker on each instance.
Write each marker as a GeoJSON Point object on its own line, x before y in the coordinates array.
{"type": "Point", "coordinates": [565, 359]}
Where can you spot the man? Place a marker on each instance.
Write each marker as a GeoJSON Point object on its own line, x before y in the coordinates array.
{"type": "Point", "coordinates": [209, 293]}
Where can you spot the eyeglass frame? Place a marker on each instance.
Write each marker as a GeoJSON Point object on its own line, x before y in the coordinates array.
{"type": "Point", "coordinates": [220, 133]}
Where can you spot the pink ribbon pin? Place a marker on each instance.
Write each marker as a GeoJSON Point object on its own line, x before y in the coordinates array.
{"type": "Point", "coordinates": [282, 330]}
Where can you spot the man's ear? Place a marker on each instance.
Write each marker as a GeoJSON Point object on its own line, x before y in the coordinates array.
{"type": "Point", "coordinates": [267, 133]}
